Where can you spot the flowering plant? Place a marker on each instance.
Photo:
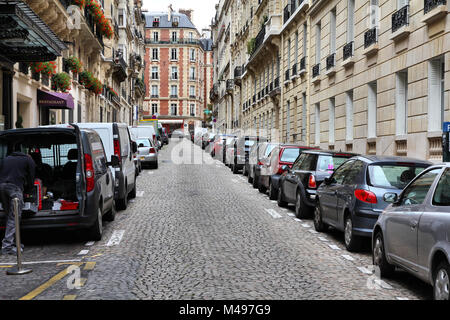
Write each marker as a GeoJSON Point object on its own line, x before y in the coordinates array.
{"type": "Point", "coordinates": [97, 86]}
{"type": "Point", "coordinates": [86, 79]}
{"type": "Point", "coordinates": [48, 67]}
{"type": "Point", "coordinates": [61, 82]}
{"type": "Point", "coordinates": [80, 3]}
{"type": "Point", "coordinates": [113, 92]}
{"type": "Point", "coordinates": [74, 64]}
{"type": "Point", "coordinates": [99, 17]}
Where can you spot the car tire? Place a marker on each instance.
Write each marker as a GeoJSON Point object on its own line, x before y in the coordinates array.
{"type": "Point", "coordinates": [301, 211]}
{"type": "Point", "coordinates": [122, 204]}
{"type": "Point", "coordinates": [262, 188]}
{"type": "Point", "coordinates": [379, 257]}
{"type": "Point", "coordinates": [441, 281]}
{"type": "Point", "coordinates": [280, 199]}
{"type": "Point", "coordinates": [255, 182]}
{"type": "Point", "coordinates": [352, 242]}
{"type": "Point", "coordinates": [111, 215]}
{"type": "Point", "coordinates": [132, 193]}
{"type": "Point", "coordinates": [155, 165]}
{"type": "Point", "coordinates": [235, 169]}
{"type": "Point", "coordinates": [96, 231]}
{"type": "Point", "coordinates": [273, 193]}
{"type": "Point", "coordinates": [319, 225]}
{"type": "Point", "coordinates": [249, 178]}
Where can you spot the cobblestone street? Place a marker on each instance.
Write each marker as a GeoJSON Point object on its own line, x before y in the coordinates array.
{"type": "Point", "coordinates": [196, 231]}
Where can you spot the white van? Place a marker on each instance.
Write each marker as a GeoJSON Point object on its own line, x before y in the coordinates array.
{"type": "Point", "coordinates": [117, 141]}
{"type": "Point", "coordinates": [145, 132]}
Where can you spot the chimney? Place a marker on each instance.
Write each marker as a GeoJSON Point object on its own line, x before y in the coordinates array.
{"type": "Point", "coordinates": [169, 15]}
{"type": "Point", "coordinates": [187, 12]}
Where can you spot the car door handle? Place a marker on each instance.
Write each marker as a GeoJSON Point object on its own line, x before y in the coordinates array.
{"type": "Point", "coordinates": [413, 225]}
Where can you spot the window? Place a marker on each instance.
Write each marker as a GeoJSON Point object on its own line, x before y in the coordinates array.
{"type": "Point", "coordinates": [174, 73]}
{"type": "Point", "coordinates": [402, 3]}
{"type": "Point", "coordinates": [392, 175]}
{"type": "Point", "coordinates": [307, 162]}
{"type": "Point", "coordinates": [155, 73]}
{"type": "Point", "coordinates": [442, 194]}
{"type": "Point", "coordinates": [155, 36]}
{"type": "Point", "coordinates": [174, 36]}
{"type": "Point", "coordinates": [288, 120]}
{"type": "Point", "coordinates": [318, 42]}
{"type": "Point", "coordinates": [154, 108]}
{"type": "Point", "coordinates": [374, 14]}
{"type": "Point", "coordinates": [372, 110]}
{"type": "Point", "coordinates": [173, 109]}
{"type": "Point", "coordinates": [174, 54]}
{"type": "Point", "coordinates": [155, 91]}
{"type": "Point", "coordinates": [417, 191]}
{"type": "Point", "coordinates": [174, 90]}
{"type": "Point", "coordinates": [192, 110]}
{"type": "Point", "coordinates": [192, 73]}
{"type": "Point", "coordinates": [290, 154]}
{"type": "Point", "coordinates": [155, 54]}
{"type": "Point", "coordinates": [191, 35]}
{"type": "Point", "coordinates": [305, 31]}
{"type": "Point", "coordinates": [122, 18]}
{"type": "Point", "coordinates": [354, 172]}
{"type": "Point", "coordinates": [192, 54]}
{"type": "Point", "coordinates": [317, 124]}
{"type": "Point", "coordinates": [304, 116]}
{"type": "Point", "coordinates": [329, 163]}
{"type": "Point", "coordinates": [156, 21]}
{"type": "Point", "coordinates": [341, 173]}
{"type": "Point", "coordinates": [289, 54]}
{"type": "Point", "coordinates": [349, 116]}
{"type": "Point", "coordinates": [296, 48]}
{"type": "Point", "coordinates": [435, 94]}
{"type": "Point", "coordinates": [331, 121]}
{"type": "Point", "coordinates": [192, 91]}
{"type": "Point", "coordinates": [333, 31]}
{"type": "Point", "coordinates": [401, 103]}
{"type": "Point", "coordinates": [350, 21]}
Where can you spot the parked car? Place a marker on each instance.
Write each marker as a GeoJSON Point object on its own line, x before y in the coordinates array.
{"type": "Point", "coordinates": [147, 152]}
{"type": "Point", "coordinates": [74, 186]}
{"type": "Point", "coordinates": [165, 136]}
{"type": "Point", "coordinates": [229, 149]}
{"type": "Point", "coordinates": [299, 184]}
{"type": "Point", "coordinates": [207, 139]}
{"type": "Point", "coordinates": [241, 156]}
{"type": "Point", "coordinates": [178, 133]}
{"type": "Point", "coordinates": [257, 156]}
{"type": "Point", "coordinates": [217, 149]}
{"type": "Point", "coordinates": [273, 167]}
{"type": "Point", "coordinates": [413, 232]}
{"type": "Point", "coordinates": [117, 142]}
{"type": "Point", "coordinates": [352, 198]}
{"type": "Point", "coordinates": [137, 161]}
{"type": "Point", "coordinates": [144, 132]}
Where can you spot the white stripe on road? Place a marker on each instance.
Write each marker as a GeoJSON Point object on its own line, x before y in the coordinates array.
{"type": "Point", "coordinates": [115, 238]}
{"type": "Point", "coordinates": [140, 194]}
{"type": "Point", "coordinates": [312, 231]}
{"type": "Point", "coordinates": [273, 213]}
{"type": "Point", "coordinates": [150, 172]}
{"type": "Point", "coordinates": [323, 239]}
{"type": "Point", "coordinates": [90, 243]}
{"type": "Point", "coordinates": [347, 257]}
{"type": "Point", "coordinates": [297, 219]}
{"type": "Point", "coordinates": [306, 225]}
{"type": "Point", "coordinates": [273, 201]}
{"type": "Point", "coordinates": [401, 298]}
{"type": "Point", "coordinates": [364, 270]}
{"type": "Point", "coordinates": [39, 262]}
{"type": "Point", "coordinates": [383, 284]}
{"type": "Point", "coordinates": [334, 247]}
{"type": "Point", "coordinates": [290, 214]}
{"type": "Point", "coordinates": [83, 252]}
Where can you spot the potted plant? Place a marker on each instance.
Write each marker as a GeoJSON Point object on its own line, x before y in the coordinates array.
{"type": "Point", "coordinates": [86, 79]}
{"type": "Point", "coordinates": [61, 82]}
{"type": "Point", "coordinates": [46, 68]}
{"type": "Point", "coordinates": [74, 64]}
{"type": "Point", "coordinates": [79, 3]}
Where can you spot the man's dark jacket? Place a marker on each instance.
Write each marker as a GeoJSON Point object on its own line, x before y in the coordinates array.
{"type": "Point", "coordinates": [18, 169]}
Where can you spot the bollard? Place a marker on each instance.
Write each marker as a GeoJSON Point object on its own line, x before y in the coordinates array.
{"type": "Point", "coordinates": [17, 270]}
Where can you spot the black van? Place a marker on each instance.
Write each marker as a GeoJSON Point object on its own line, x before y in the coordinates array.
{"type": "Point", "coordinates": [74, 186]}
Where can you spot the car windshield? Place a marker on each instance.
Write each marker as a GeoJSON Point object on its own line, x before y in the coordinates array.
{"type": "Point", "coordinates": [143, 142]}
{"type": "Point", "coordinates": [393, 175]}
{"type": "Point", "coordinates": [290, 155]}
{"type": "Point", "coordinates": [249, 143]}
{"type": "Point", "coordinates": [329, 162]}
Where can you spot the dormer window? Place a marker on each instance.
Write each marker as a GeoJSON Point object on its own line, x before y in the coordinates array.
{"type": "Point", "coordinates": [175, 21]}
{"type": "Point", "coordinates": [156, 21]}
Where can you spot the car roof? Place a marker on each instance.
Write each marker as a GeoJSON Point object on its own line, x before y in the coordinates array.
{"type": "Point", "coordinates": [330, 152]}
{"type": "Point", "coordinates": [293, 145]}
{"type": "Point", "coordinates": [380, 158]}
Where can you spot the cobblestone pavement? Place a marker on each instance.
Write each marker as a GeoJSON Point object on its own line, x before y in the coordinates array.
{"type": "Point", "coordinates": [196, 231]}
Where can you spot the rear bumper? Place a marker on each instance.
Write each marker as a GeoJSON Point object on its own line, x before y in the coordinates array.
{"type": "Point", "coordinates": [364, 221]}
{"type": "Point", "coordinates": [310, 197]}
{"type": "Point", "coordinates": [148, 158]}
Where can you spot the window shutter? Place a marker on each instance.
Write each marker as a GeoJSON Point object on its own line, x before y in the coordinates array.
{"type": "Point", "coordinates": [349, 116]}
{"type": "Point", "coordinates": [372, 111]}
{"type": "Point", "coordinates": [434, 95]}
{"type": "Point", "coordinates": [401, 103]}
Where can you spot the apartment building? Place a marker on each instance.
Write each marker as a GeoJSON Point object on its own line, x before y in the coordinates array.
{"type": "Point", "coordinates": [178, 74]}
{"type": "Point", "coordinates": [365, 76]}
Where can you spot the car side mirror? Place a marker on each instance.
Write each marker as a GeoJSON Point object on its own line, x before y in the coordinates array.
{"type": "Point", "coordinates": [328, 181]}
{"type": "Point", "coordinates": [135, 148]}
{"type": "Point", "coordinates": [390, 197]}
{"type": "Point", "coordinates": [286, 168]}
{"type": "Point", "coordinates": [114, 162]}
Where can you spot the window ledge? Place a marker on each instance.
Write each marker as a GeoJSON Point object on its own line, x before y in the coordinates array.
{"type": "Point", "coordinates": [348, 62]}
{"type": "Point", "coordinates": [400, 33]}
{"type": "Point", "coordinates": [330, 72]}
{"type": "Point", "coordinates": [302, 72]}
{"type": "Point", "coordinates": [401, 137]}
{"type": "Point", "coordinates": [316, 79]}
{"type": "Point", "coordinates": [434, 134]}
{"type": "Point", "coordinates": [286, 82]}
{"type": "Point", "coordinates": [371, 50]}
{"type": "Point", "coordinates": [437, 13]}
{"type": "Point", "coordinates": [295, 78]}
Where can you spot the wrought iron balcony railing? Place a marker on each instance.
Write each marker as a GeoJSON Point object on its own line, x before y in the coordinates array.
{"type": "Point", "coordinates": [286, 13]}
{"type": "Point", "coordinates": [370, 37]}
{"type": "Point", "coordinates": [230, 85]}
{"type": "Point", "coordinates": [286, 75]}
{"type": "Point", "coordinates": [277, 82]}
{"type": "Point", "coordinates": [429, 5]}
{"type": "Point", "coordinates": [348, 50]}
{"type": "Point", "coordinates": [294, 70]}
{"type": "Point", "coordinates": [331, 61]}
{"type": "Point", "coordinates": [303, 63]}
{"type": "Point", "coordinates": [400, 18]}
{"type": "Point", "coordinates": [316, 70]}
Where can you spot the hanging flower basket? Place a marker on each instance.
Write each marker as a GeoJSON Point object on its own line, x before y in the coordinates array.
{"type": "Point", "coordinates": [86, 79]}
{"type": "Point", "coordinates": [112, 91]}
{"type": "Point", "coordinates": [47, 68]}
{"type": "Point", "coordinates": [80, 3]}
{"type": "Point", "coordinates": [97, 86]}
{"type": "Point", "coordinates": [74, 64]}
{"type": "Point", "coordinates": [99, 18]}
{"type": "Point", "coordinates": [61, 82]}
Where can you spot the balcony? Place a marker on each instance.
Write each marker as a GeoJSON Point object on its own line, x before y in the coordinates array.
{"type": "Point", "coordinates": [254, 99]}
{"type": "Point", "coordinates": [184, 41]}
{"type": "Point", "coordinates": [316, 71]}
{"type": "Point", "coordinates": [331, 64]}
{"type": "Point", "coordinates": [287, 13]}
{"type": "Point", "coordinates": [174, 96]}
{"type": "Point", "coordinates": [302, 65]}
{"type": "Point", "coordinates": [347, 55]}
{"type": "Point", "coordinates": [259, 39]}
{"type": "Point", "coordinates": [192, 96]}
{"type": "Point", "coordinates": [277, 83]}
{"type": "Point", "coordinates": [24, 68]}
{"type": "Point", "coordinates": [400, 23]}
{"type": "Point", "coordinates": [140, 87]}
{"type": "Point", "coordinates": [434, 10]}
{"type": "Point", "coordinates": [230, 85]}
{"type": "Point", "coordinates": [237, 75]}
{"type": "Point", "coordinates": [274, 88]}
{"type": "Point", "coordinates": [120, 67]}
{"type": "Point", "coordinates": [154, 96]}
{"type": "Point", "coordinates": [292, 9]}
{"type": "Point", "coordinates": [294, 71]}
{"type": "Point", "coordinates": [286, 76]}
{"type": "Point", "coordinates": [370, 41]}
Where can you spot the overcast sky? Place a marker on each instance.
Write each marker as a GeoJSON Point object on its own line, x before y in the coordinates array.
{"type": "Point", "coordinates": [203, 9]}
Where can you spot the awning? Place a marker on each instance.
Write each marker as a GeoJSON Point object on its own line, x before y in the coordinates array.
{"type": "Point", "coordinates": [24, 37]}
{"type": "Point", "coordinates": [170, 121]}
{"type": "Point", "coordinates": [55, 100]}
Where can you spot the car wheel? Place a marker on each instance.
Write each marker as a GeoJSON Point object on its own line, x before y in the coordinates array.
{"type": "Point", "coordinates": [352, 242]}
{"type": "Point", "coordinates": [249, 178]}
{"type": "Point", "coordinates": [244, 171]}
{"type": "Point", "coordinates": [301, 211]}
{"type": "Point", "coordinates": [255, 183]}
{"type": "Point", "coordinates": [379, 257]}
{"type": "Point", "coordinates": [319, 225]}
{"type": "Point", "coordinates": [96, 231]}
{"type": "Point", "coordinates": [111, 215]}
{"type": "Point", "coordinates": [122, 204]}
{"type": "Point", "coordinates": [262, 188]}
{"type": "Point", "coordinates": [273, 193]}
{"type": "Point", "coordinates": [133, 192]}
{"type": "Point", "coordinates": [235, 169]}
{"type": "Point", "coordinates": [280, 200]}
{"type": "Point", "coordinates": [441, 282]}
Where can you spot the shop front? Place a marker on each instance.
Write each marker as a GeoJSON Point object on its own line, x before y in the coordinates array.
{"type": "Point", "coordinates": [49, 102]}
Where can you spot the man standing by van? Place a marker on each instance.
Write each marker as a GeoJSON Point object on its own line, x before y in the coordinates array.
{"type": "Point", "coordinates": [16, 174]}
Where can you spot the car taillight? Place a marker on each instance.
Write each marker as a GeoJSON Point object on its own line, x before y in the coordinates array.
{"type": "Point", "coordinates": [260, 163]}
{"type": "Point", "coordinates": [152, 150]}
{"type": "Point", "coordinates": [280, 171]}
{"type": "Point", "coordinates": [89, 172]}
{"type": "Point", "coordinates": [365, 196]}
{"type": "Point", "coordinates": [312, 182]}
{"type": "Point", "coordinates": [154, 137]}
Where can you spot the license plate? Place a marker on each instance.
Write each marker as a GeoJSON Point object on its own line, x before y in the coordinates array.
{"type": "Point", "coordinates": [142, 158]}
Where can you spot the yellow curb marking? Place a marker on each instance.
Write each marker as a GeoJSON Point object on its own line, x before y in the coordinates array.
{"type": "Point", "coordinates": [6, 266]}
{"type": "Point", "coordinates": [70, 297]}
{"type": "Point", "coordinates": [95, 256]}
{"type": "Point", "coordinates": [89, 265]}
{"type": "Point", "coordinates": [33, 294]}
{"type": "Point", "coordinates": [70, 263]}
{"type": "Point", "coordinates": [82, 281]}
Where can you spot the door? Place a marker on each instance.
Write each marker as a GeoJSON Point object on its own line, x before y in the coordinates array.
{"type": "Point", "coordinates": [402, 221]}
{"type": "Point", "coordinates": [329, 193]}
{"type": "Point", "coordinates": [290, 181]}
{"type": "Point", "coordinates": [102, 174]}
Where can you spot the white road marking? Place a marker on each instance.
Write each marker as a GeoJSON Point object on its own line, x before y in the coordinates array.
{"type": "Point", "coordinates": [290, 214]}
{"type": "Point", "coordinates": [364, 270]}
{"type": "Point", "coordinates": [383, 284]}
{"type": "Point", "coordinates": [401, 298]}
{"type": "Point", "coordinates": [348, 257]}
{"type": "Point", "coordinates": [298, 220]}
{"type": "Point", "coordinates": [234, 181]}
{"type": "Point", "coordinates": [306, 225]}
{"type": "Point", "coordinates": [323, 239]}
{"type": "Point", "coordinates": [273, 201]}
{"type": "Point", "coordinates": [83, 252]}
{"type": "Point", "coordinates": [312, 231]}
{"type": "Point", "coordinates": [115, 238]}
{"type": "Point", "coordinates": [334, 247]}
{"type": "Point", "coordinates": [284, 209]}
{"type": "Point", "coordinates": [39, 262]}
{"type": "Point", "coordinates": [90, 243]}
{"type": "Point", "coordinates": [273, 213]}
{"type": "Point", "coordinates": [140, 194]}
{"type": "Point", "coordinates": [150, 172]}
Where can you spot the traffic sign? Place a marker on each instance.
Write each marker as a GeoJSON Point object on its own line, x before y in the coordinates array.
{"type": "Point", "coordinates": [446, 127]}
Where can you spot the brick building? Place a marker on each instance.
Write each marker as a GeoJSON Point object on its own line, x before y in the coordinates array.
{"type": "Point", "coordinates": [178, 69]}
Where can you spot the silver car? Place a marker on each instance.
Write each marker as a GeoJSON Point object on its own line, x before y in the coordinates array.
{"type": "Point", "coordinates": [414, 231]}
{"type": "Point", "coordinates": [147, 152]}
